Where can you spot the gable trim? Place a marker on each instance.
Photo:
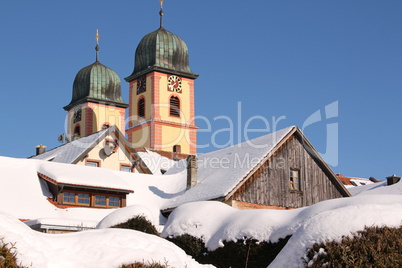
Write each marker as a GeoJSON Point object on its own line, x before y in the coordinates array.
{"type": "Point", "coordinates": [83, 186]}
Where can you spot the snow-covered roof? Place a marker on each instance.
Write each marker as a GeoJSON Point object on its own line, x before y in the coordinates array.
{"type": "Point", "coordinates": [19, 182]}
{"type": "Point", "coordinates": [219, 172]}
{"type": "Point", "coordinates": [73, 152]}
{"type": "Point", "coordinates": [69, 152]}
{"type": "Point", "coordinates": [156, 162]}
{"type": "Point", "coordinates": [93, 177]}
{"type": "Point", "coordinates": [351, 182]}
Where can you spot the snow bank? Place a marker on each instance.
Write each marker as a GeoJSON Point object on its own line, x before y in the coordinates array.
{"type": "Point", "coordinates": [216, 222]}
{"type": "Point", "coordinates": [340, 221]}
{"type": "Point", "coordinates": [124, 214]}
{"type": "Point", "coordinates": [377, 188]}
{"type": "Point", "coordinates": [96, 248]}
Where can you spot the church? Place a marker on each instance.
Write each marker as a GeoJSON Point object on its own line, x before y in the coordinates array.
{"type": "Point", "coordinates": [160, 109]}
{"type": "Point", "coordinates": [284, 172]}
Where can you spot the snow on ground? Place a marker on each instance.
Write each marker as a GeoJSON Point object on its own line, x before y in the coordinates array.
{"type": "Point", "coordinates": [215, 222]}
{"type": "Point", "coordinates": [124, 214]}
{"type": "Point", "coordinates": [26, 195]}
{"type": "Point", "coordinates": [96, 248]}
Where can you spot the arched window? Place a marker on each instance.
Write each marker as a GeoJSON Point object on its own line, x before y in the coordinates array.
{"type": "Point", "coordinates": [177, 149]}
{"type": "Point", "coordinates": [77, 131]}
{"type": "Point", "coordinates": [141, 107]}
{"type": "Point", "coordinates": [174, 106]}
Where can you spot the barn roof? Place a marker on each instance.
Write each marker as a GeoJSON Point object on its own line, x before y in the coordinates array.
{"type": "Point", "coordinates": [222, 172]}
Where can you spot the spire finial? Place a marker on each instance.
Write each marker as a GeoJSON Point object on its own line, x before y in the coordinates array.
{"type": "Point", "coordinates": [161, 13]}
{"type": "Point", "coordinates": [97, 45]}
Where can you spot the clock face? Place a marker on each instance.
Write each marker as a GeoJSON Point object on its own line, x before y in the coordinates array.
{"type": "Point", "coordinates": [174, 84]}
{"type": "Point", "coordinates": [141, 84]}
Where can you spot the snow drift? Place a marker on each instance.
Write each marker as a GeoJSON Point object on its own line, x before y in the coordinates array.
{"type": "Point", "coordinates": [215, 222]}
{"type": "Point", "coordinates": [96, 248]}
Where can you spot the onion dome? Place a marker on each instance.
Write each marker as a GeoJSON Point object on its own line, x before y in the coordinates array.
{"type": "Point", "coordinates": [97, 83]}
{"type": "Point", "coordinates": [161, 51]}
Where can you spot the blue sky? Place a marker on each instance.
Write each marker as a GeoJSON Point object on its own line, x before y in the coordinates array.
{"type": "Point", "coordinates": [275, 59]}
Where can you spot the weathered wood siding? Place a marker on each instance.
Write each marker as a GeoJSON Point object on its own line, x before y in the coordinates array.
{"type": "Point", "coordinates": [269, 185]}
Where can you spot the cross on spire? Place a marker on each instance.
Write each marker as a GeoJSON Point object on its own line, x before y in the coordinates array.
{"type": "Point", "coordinates": [97, 45]}
{"type": "Point", "coordinates": [161, 13]}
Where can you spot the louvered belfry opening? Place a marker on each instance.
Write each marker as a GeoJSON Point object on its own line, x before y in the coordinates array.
{"type": "Point", "coordinates": [141, 108]}
{"type": "Point", "coordinates": [77, 131]}
{"type": "Point", "coordinates": [174, 106]}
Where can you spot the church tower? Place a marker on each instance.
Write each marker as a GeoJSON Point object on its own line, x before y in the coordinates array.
{"type": "Point", "coordinates": [161, 94]}
{"type": "Point", "coordinates": [96, 102]}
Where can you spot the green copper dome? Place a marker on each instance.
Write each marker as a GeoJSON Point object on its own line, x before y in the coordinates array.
{"type": "Point", "coordinates": [161, 51]}
{"type": "Point", "coordinates": [97, 83]}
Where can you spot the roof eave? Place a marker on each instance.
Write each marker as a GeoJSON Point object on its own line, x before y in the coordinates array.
{"type": "Point", "coordinates": [95, 100]}
{"type": "Point", "coordinates": [99, 188]}
{"type": "Point", "coordinates": [135, 75]}
{"type": "Point", "coordinates": [169, 210]}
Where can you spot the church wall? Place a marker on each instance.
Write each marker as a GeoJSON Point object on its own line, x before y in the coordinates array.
{"type": "Point", "coordinates": [164, 101]}
{"type": "Point", "coordinates": [134, 98]}
{"type": "Point", "coordinates": [93, 116]}
{"type": "Point", "coordinates": [106, 114]}
{"type": "Point", "coordinates": [175, 136]}
{"type": "Point", "coordinates": [140, 136]}
{"type": "Point", "coordinates": [164, 131]}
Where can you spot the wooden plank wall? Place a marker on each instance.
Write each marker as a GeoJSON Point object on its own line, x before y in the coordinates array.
{"type": "Point", "coordinates": [269, 185]}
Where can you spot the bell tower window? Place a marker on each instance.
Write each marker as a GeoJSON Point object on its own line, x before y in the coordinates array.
{"type": "Point", "coordinates": [174, 106]}
{"type": "Point", "coordinates": [177, 149]}
{"type": "Point", "coordinates": [77, 131]}
{"type": "Point", "coordinates": [141, 107]}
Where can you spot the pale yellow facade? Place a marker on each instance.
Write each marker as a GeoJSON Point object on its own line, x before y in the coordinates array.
{"type": "Point", "coordinates": [93, 117]}
{"type": "Point", "coordinates": [114, 161]}
{"type": "Point", "coordinates": [164, 99]}
{"type": "Point", "coordinates": [175, 136]}
{"type": "Point", "coordinates": [141, 138]}
{"type": "Point", "coordinates": [158, 129]}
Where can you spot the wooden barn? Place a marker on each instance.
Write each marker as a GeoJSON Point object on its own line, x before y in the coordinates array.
{"type": "Point", "coordinates": [281, 170]}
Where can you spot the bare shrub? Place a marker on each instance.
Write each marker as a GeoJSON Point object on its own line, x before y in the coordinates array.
{"type": "Point", "coordinates": [378, 247]}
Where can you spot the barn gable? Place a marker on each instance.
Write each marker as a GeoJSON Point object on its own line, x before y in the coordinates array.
{"type": "Point", "coordinates": [292, 176]}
